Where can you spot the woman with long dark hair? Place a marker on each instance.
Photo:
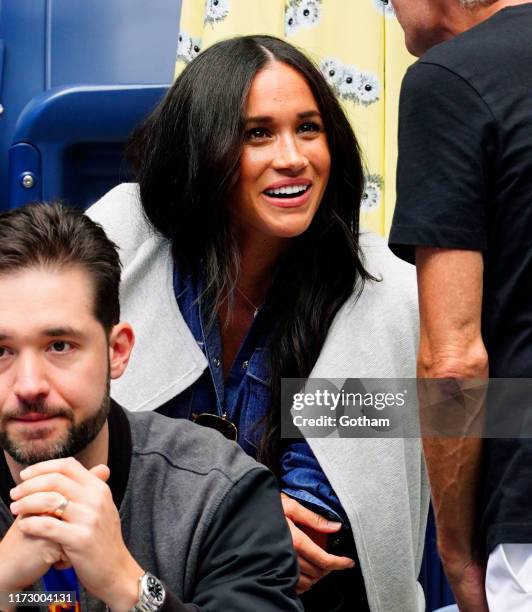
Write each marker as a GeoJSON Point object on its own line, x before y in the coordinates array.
{"type": "Point", "coordinates": [244, 265]}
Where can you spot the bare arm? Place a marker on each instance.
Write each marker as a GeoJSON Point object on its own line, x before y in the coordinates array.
{"type": "Point", "coordinates": [450, 298]}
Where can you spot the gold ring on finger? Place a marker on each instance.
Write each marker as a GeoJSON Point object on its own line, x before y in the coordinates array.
{"type": "Point", "coordinates": [60, 510]}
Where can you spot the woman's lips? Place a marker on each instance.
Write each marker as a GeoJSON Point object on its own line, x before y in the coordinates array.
{"type": "Point", "coordinates": [290, 202]}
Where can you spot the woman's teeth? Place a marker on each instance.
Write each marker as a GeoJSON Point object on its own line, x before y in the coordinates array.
{"type": "Point", "coordinates": [290, 191]}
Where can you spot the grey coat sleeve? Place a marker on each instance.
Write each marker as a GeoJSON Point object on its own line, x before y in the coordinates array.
{"type": "Point", "coordinates": [247, 560]}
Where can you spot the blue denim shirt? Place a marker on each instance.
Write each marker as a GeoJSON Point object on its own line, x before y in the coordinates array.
{"type": "Point", "coordinates": [244, 398]}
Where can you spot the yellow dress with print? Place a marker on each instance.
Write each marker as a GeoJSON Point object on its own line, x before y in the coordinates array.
{"type": "Point", "coordinates": [359, 47]}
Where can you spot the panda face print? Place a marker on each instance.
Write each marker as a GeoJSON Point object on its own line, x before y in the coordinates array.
{"type": "Point", "coordinates": [195, 47]}
{"type": "Point", "coordinates": [348, 85]}
{"type": "Point", "coordinates": [183, 41]}
{"type": "Point", "coordinates": [384, 7]}
{"type": "Point", "coordinates": [291, 24]}
{"type": "Point", "coordinates": [300, 13]}
{"type": "Point", "coordinates": [368, 88]}
{"type": "Point", "coordinates": [187, 47]}
{"type": "Point", "coordinates": [371, 197]}
{"type": "Point", "coordinates": [216, 10]}
{"type": "Point", "coordinates": [308, 13]}
{"type": "Point", "coordinates": [332, 70]}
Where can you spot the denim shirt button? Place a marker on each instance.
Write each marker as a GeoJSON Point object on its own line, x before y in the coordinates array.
{"type": "Point", "coordinates": [245, 365]}
{"type": "Point", "coordinates": [216, 362]}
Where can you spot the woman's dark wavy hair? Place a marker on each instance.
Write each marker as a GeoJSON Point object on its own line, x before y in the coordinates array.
{"type": "Point", "coordinates": [186, 157]}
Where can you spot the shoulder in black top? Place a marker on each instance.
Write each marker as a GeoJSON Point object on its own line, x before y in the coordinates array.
{"type": "Point", "coordinates": [465, 182]}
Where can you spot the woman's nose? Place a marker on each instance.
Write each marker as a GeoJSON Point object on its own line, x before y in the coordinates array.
{"type": "Point", "coordinates": [289, 156]}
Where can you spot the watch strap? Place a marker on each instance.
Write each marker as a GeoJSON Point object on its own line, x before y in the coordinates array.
{"type": "Point", "coordinates": [151, 594]}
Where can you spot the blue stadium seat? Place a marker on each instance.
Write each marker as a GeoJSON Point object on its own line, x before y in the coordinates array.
{"type": "Point", "coordinates": [47, 46]}
{"type": "Point", "coordinates": [68, 142]}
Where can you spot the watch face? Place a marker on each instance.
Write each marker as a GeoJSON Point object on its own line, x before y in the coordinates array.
{"type": "Point", "coordinates": [155, 589]}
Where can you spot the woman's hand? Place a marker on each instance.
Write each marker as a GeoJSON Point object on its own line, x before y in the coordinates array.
{"type": "Point", "coordinates": [310, 533]}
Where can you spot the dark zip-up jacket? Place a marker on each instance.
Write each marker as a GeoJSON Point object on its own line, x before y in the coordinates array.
{"type": "Point", "coordinates": [196, 512]}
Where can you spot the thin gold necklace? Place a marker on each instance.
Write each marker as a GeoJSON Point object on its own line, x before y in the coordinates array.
{"type": "Point", "coordinates": [255, 308]}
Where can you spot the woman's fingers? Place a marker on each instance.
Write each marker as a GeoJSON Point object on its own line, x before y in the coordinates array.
{"type": "Point", "coordinates": [312, 571]}
{"type": "Point", "coordinates": [314, 554]}
{"type": "Point", "coordinates": [314, 562]}
{"type": "Point", "coordinates": [304, 583]}
{"type": "Point", "coordinates": [325, 561]}
{"type": "Point", "coordinates": [303, 516]}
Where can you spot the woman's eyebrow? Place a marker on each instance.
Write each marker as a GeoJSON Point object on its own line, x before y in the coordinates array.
{"type": "Point", "coordinates": [308, 114]}
{"type": "Point", "coordinates": [259, 119]}
{"type": "Point", "coordinates": [268, 119]}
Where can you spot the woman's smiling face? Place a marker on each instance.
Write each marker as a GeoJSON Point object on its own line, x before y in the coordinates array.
{"type": "Point", "coordinates": [285, 161]}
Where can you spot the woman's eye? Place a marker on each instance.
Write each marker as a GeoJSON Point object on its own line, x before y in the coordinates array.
{"type": "Point", "coordinates": [61, 346]}
{"type": "Point", "coordinates": [310, 126]}
{"type": "Point", "coordinates": [256, 133]}
{"type": "Point", "coordinates": [3, 352]}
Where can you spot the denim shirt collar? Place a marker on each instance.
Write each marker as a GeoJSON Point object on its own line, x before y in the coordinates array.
{"type": "Point", "coordinates": [244, 397]}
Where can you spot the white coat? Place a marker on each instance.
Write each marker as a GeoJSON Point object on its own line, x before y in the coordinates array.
{"type": "Point", "coordinates": [381, 483]}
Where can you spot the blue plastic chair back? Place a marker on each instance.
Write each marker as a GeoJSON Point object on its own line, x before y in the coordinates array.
{"type": "Point", "coordinates": [47, 45]}
{"type": "Point", "coordinates": [68, 142]}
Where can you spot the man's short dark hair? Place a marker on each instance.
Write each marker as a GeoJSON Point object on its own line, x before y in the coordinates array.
{"type": "Point", "coordinates": [55, 236]}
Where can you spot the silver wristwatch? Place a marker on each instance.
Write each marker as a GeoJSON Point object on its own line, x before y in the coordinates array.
{"type": "Point", "coordinates": [151, 594]}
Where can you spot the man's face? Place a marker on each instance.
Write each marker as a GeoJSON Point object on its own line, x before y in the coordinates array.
{"type": "Point", "coordinates": [54, 364]}
{"type": "Point", "coordinates": [425, 22]}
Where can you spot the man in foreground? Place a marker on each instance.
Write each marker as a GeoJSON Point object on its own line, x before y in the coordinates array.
{"type": "Point", "coordinates": [464, 211]}
{"type": "Point", "coordinates": [131, 511]}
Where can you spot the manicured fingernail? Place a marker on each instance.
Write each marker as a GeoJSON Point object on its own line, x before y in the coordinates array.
{"type": "Point", "coordinates": [14, 493]}
{"type": "Point", "coordinates": [14, 507]}
{"type": "Point", "coordinates": [334, 524]}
